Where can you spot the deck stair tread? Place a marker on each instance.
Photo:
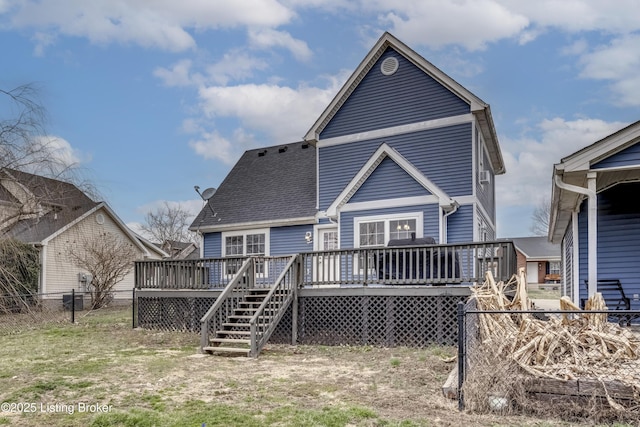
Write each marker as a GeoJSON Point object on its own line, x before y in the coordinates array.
{"type": "Point", "coordinates": [234, 350]}
{"type": "Point", "coordinates": [241, 326]}
{"type": "Point", "coordinates": [234, 333]}
{"type": "Point", "coordinates": [230, 340]}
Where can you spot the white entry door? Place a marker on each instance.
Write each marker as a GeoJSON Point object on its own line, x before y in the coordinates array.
{"type": "Point", "coordinates": [532, 272]}
{"type": "Point", "coordinates": [327, 265]}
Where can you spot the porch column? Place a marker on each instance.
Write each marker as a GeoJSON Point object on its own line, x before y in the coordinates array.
{"type": "Point", "coordinates": [592, 228]}
{"type": "Point", "coordinates": [592, 222]}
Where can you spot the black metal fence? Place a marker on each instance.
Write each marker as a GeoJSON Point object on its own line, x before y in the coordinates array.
{"type": "Point", "coordinates": [31, 311]}
{"type": "Point", "coordinates": [567, 364]}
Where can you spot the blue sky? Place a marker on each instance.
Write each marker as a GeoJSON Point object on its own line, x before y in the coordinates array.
{"type": "Point", "coordinates": [150, 98]}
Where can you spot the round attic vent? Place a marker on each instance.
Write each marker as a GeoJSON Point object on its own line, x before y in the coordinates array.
{"type": "Point", "coordinates": [389, 66]}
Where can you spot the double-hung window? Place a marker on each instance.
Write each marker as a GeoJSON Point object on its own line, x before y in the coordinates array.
{"type": "Point", "coordinates": [376, 231]}
{"type": "Point", "coordinates": [244, 244]}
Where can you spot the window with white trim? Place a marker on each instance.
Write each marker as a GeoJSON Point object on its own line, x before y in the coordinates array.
{"type": "Point", "coordinates": [401, 229]}
{"type": "Point", "coordinates": [371, 234]}
{"type": "Point", "coordinates": [376, 231]}
{"type": "Point", "coordinates": [244, 244]}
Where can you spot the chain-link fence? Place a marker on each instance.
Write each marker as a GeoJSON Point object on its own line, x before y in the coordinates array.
{"type": "Point", "coordinates": [567, 364]}
{"type": "Point", "coordinates": [31, 311]}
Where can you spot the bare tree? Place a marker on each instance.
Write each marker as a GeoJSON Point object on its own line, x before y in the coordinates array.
{"type": "Point", "coordinates": [19, 268]}
{"type": "Point", "coordinates": [25, 148]}
{"type": "Point", "coordinates": [23, 144]}
{"type": "Point", "coordinates": [169, 223]}
{"type": "Point", "coordinates": [540, 218]}
{"type": "Point", "coordinates": [108, 259]}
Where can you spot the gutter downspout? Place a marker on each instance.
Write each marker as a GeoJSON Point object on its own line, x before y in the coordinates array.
{"type": "Point", "coordinates": [445, 224]}
{"type": "Point", "coordinates": [592, 224]}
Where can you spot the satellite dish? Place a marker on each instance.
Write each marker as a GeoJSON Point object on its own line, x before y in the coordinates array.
{"type": "Point", "coordinates": [208, 193]}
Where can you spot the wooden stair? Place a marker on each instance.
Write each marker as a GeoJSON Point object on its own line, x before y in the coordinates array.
{"type": "Point", "coordinates": [234, 339]}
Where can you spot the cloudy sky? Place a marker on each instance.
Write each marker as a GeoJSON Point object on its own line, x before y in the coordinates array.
{"type": "Point", "coordinates": [153, 97]}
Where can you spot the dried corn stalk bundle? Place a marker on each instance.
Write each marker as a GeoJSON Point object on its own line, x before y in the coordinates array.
{"type": "Point", "coordinates": [567, 347]}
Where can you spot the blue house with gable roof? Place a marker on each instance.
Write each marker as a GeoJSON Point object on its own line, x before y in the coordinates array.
{"type": "Point", "coordinates": [402, 151]}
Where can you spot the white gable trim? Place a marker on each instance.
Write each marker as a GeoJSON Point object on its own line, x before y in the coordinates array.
{"type": "Point", "coordinates": [396, 130]}
{"type": "Point", "coordinates": [388, 203]}
{"type": "Point", "coordinates": [374, 161]}
{"type": "Point", "coordinates": [367, 63]}
{"type": "Point", "coordinates": [136, 241]}
{"type": "Point", "coordinates": [600, 150]}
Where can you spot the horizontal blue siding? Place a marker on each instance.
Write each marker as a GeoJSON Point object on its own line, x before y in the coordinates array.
{"type": "Point", "coordinates": [460, 225]}
{"type": "Point", "coordinates": [283, 241]}
{"type": "Point", "coordinates": [567, 262]}
{"type": "Point", "coordinates": [212, 245]}
{"type": "Point", "coordinates": [618, 239]}
{"type": "Point", "coordinates": [444, 155]}
{"type": "Point", "coordinates": [490, 229]}
{"type": "Point", "coordinates": [290, 240]}
{"type": "Point", "coordinates": [388, 178]}
{"type": "Point", "coordinates": [486, 192]}
{"type": "Point", "coordinates": [380, 101]}
{"type": "Point", "coordinates": [429, 214]}
{"type": "Point", "coordinates": [628, 157]}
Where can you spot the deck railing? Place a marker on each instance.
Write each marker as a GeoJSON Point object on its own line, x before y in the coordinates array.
{"type": "Point", "coordinates": [461, 263]}
{"type": "Point", "coordinates": [464, 263]}
{"type": "Point", "coordinates": [206, 273]}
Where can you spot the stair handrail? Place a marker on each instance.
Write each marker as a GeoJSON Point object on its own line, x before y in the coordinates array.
{"type": "Point", "coordinates": [205, 321]}
{"type": "Point", "coordinates": [258, 342]}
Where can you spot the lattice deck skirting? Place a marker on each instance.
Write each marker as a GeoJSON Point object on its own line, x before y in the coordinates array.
{"type": "Point", "coordinates": [394, 317]}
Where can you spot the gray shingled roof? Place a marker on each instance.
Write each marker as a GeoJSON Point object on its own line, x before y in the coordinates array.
{"type": "Point", "coordinates": [537, 247]}
{"type": "Point", "coordinates": [63, 203]}
{"type": "Point", "coordinates": [267, 184]}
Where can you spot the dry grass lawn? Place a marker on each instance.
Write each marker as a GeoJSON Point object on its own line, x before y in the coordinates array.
{"type": "Point", "coordinates": [151, 378]}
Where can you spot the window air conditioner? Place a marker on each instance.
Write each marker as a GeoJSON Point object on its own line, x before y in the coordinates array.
{"type": "Point", "coordinates": [485, 177]}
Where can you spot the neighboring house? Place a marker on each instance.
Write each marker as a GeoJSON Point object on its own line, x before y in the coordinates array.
{"type": "Point", "coordinates": [402, 150]}
{"type": "Point", "coordinates": [596, 217]}
{"type": "Point", "coordinates": [180, 250]}
{"type": "Point", "coordinates": [51, 215]}
{"type": "Point", "coordinates": [540, 259]}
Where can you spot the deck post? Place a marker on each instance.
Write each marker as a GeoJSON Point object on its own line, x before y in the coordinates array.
{"type": "Point", "coordinates": [294, 306]}
{"type": "Point", "coordinates": [461, 354]}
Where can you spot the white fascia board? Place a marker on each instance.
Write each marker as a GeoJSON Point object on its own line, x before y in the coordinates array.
{"type": "Point", "coordinates": [584, 158]}
{"type": "Point", "coordinates": [71, 224]}
{"type": "Point", "coordinates": [396, 130]}
{"type": "Point", "coordinates": [258, 224]}
{"type": "Point", "coordinates": [374, 161]}
{"type": "Point", "coordinates": [113, 216]}
{"type": "Point", "coordinates": [389, 203]}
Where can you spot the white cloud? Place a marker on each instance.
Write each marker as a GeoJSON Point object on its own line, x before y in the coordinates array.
{"type": "Point", "coordinates": [178, 75]}
{"type": "Point", "coordinates": [235, 65]}
{"type": "Point", "coordinates": [617, 62]}
{"type": "Point", "coordinates": [429, 22]}
{"type": "Point", "coordinates": [281, 112]}
{"type": "Point", "coordinates": [266, 38]}
{"type": "Point", "coordinates": [160, 24]}
{"type": "Point", "coordinates": [529, 160]}
{"type": "Point", "coordinates": [212, 145]}
{"type": "Point", "coordinates": [618, 16]}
